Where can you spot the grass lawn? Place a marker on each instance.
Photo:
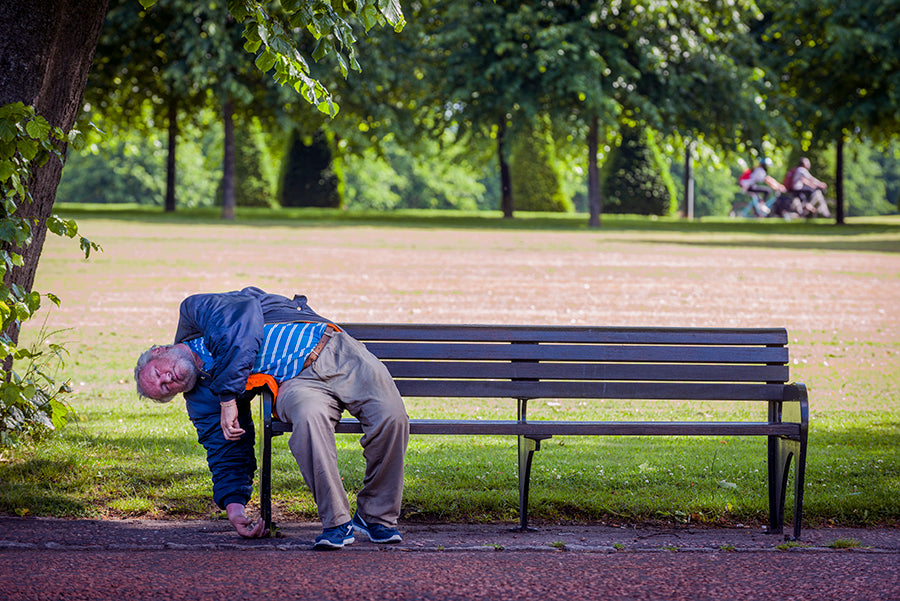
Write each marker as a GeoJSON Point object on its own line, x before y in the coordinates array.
{"type": "Point", "coordinates": [836, 290]}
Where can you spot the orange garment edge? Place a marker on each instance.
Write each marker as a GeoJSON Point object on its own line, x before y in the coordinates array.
{"type": "Point", "coordinates": [261, 380]}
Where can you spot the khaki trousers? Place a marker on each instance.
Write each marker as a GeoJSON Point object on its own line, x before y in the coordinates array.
{"type": "Point", "coordinates": [346, 376]}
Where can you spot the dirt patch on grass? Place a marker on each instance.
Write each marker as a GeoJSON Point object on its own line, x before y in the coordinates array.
{"type": "Point", "coordinates": [839, 306]}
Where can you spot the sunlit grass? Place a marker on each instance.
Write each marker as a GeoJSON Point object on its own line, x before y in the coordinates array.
{"type": "Point", "coordinates": [130, 457]}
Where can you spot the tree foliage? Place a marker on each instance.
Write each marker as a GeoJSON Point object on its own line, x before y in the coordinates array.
{"type": "Point", "coordinates": [308, 178]}
{"type": "Point", "coordinates": [535, 179]}
{"type": "Point", "coordinates": [636, 176]}
{"type": "Point", "coordinates": [130, 166]}
{"type": "Point", "coordinates": [419, 176]}
{"type": "Point", "coordinates": [52, 81]}
{"type": "Point", "coordinates": [29, 401]}
{"type": "Point", "coordinates": [253, 184]}
{"type": "Point", "coordinates": [681, 67]}
{"type": "Point", "coordinates": [838, 65]}
{"type": "Point", "coordinates": [270, 37]}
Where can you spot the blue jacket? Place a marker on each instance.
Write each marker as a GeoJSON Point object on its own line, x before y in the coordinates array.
{"type": "Point", "coordinates": [231, 324]}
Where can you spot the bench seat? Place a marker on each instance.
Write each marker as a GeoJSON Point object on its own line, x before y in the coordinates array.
{"type": "Point", "coordinates": [521, 363]}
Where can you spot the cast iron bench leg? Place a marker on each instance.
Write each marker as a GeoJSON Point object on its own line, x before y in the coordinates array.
{"type": "Point", "coordinates": [781, 452]}
{"type": "Point", "coordinates": [527, 446]}
{"type": "Point", "coordinates": [265, 477]}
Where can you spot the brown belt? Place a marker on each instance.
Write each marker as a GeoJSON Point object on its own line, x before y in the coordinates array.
{"type": "Point", "coordinates": [314, 354]}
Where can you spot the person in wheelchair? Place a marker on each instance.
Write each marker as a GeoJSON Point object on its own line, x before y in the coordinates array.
{"type": "Point", "coordinates": [809, 191]}
{"type": "Point", "coordinates": [759, 186]}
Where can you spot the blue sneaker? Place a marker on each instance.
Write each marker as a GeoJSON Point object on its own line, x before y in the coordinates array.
{"type": "Point", "coordinates": [376, 532]}
{"type": "Point", "coordinates": [335, 538]}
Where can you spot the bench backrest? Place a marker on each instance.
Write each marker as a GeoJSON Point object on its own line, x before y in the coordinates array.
{"type": "Point", "coordinates": [527, 362]}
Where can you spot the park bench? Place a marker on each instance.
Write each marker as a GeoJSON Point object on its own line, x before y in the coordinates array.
{"type": "Point", "coordinates": [523, 363]}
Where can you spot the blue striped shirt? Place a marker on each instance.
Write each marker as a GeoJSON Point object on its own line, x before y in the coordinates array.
{"type": "Point", "coordinates": [284, 348]}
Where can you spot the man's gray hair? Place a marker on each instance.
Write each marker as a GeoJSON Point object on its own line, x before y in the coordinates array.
{"type": "Point", "coordinates": [142, 362]}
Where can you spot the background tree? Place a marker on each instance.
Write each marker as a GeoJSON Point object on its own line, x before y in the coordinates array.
{"type": "Point", "coordinates": [680, 67]}
{"type": "Point", "coordinates": [45, 57]}
{"type": "Point", "coordinates": [636, 176]}
{"type": "Point", "coordinates": [839, 68]}
{"type": "Point", "coordinates": [129, 166]}
{"type": "Point", "coordinates": [536, 183]}
{"type": "Point", "coordinates": [142, 76]}
{"type": "Point", "coordinates": [308, 178]}
{"type": "Point", "coordinates": [178, 58]}
{"type": "Point", "coordinates": [253, 181]}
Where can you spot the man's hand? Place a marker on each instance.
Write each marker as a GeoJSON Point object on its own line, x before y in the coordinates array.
{"type": "Point", "coordinates": [228, 418]}
{"type": "Point", "coordinates": [242, 523]}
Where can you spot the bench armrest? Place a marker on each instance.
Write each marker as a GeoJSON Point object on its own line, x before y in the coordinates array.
{"type": "Point", "coordinates": [795, 406]}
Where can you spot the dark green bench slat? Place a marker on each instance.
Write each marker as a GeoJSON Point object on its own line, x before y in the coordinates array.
{"type": "Point", "coordinates": [589, 390]}
{"type": "Point", "coordinates": [566, 428]}
{"type": "Point", "coordinates": [488, 333]}
{"type": "Point", "coordinates": [588, 371]}
{"type": "Point", "coordinates": [557, 428]}
{"type": "Point", "coordinates": [580, 353]}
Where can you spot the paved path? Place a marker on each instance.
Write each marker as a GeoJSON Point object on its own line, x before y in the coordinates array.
{"type": "Point", "coordinates": [136, 560]}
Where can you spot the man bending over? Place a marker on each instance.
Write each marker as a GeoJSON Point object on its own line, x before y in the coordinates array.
{"type": "Point", "coordinates": [320, 371]}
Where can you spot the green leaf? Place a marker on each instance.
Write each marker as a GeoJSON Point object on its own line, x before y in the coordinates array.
{"type": "Point", "coordinates": [58, 412]}
{"type": "Point", "coordinates": [265, 61]}
{"type": "Point", "coordinates": [12, 232]}
{"type": "Point", "coordinates": [28, 148]}
{"type": "Point", "coordinates": [38, 128]}
{"type": "Point", "coordinates": [87, 246]}
{"type": "Point", "coordinates": [328, 107]}
{"type": "Point", "coordinates": [321, 50]}
{"type": "Point", "coordinates": [6, 169]}
{"type": "Point", "coordinates": [7, 149]}
{"type": "Point", "coordinates": [77, 140]}
{"type": "Point", "coordinates": [62, 227]}
{"type": "Point", "coordinates": [8, 131]}
{"type": "Point", "coordinates": [238, 10]}
{"type": "Point", "coordinates": [369, 17]}
{"type": "Point", "coordinates": [147, 3]}
{"type": "Point", "coordinates": [342, 63]}
{"type": "Point", "coordinates": [263, 32]}
{"type": "Point", "coordinates": [252, 46]}
{"type": "Point", "coordinates": [393, 13]}
{"type": "Point", "coordinates": [21, 311]}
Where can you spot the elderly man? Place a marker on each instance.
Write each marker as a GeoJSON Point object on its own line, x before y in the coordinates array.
{"type": "Point", "coordinates": [221, 340]}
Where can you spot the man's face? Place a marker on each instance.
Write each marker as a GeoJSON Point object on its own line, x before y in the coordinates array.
{"type": "Point", "coordinates": [170, 370]}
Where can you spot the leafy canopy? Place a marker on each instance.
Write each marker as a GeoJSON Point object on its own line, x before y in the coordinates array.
{"type": "Point", "coordinates": [271, 37]}
{"type": "Point", "coordinates": [28, 400]}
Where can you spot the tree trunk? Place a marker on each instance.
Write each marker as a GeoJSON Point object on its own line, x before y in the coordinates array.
{"type": "Point", "coordinates": [595, 200]}
{"type": "Point", "coordinates": [228, 198]}
{"type": "Point", "coordinates": [506, 197]}
{"type": "Point", "coordinates": [170, 158]}
{"type": "Point", "coordinates": [688, 182]}
{"type": "Point", "coordinates": [46, 51]}
{"type": "Point", "coordinates": [839, 181]}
